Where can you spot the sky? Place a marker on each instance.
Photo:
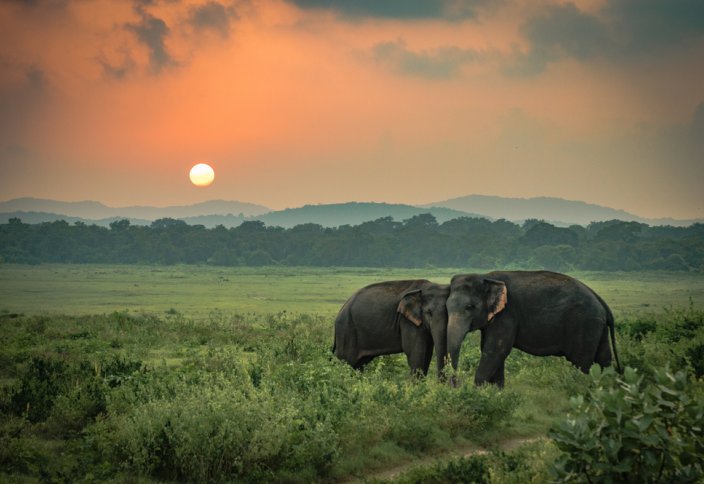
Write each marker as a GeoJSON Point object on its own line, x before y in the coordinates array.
{"type": "Point", "coordinates": [309, 101]}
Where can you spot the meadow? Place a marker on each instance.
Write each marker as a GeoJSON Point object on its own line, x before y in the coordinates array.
{"type": "Point", "coordinates": [199, 373]}
{"type": "Point", "coordinates": [198, 291]}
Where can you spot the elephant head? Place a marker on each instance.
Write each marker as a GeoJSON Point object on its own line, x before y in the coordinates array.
{"type": "Point", "coordinates": [427, 308]}
{"type": "Point", "coordinates": [473, 302]}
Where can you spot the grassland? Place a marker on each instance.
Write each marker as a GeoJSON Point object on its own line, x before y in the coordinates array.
{"type": "Point", "coordinates": [198, 291]}
{"type": "Point", "coordinates": [203, 374]}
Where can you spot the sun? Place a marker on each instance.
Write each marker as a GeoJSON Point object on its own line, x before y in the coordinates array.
{"type": "Point", "coordinates": [201, 175]}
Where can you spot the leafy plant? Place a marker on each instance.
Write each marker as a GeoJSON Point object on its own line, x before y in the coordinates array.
{"type": "Point", "coordinates": [633, 428]}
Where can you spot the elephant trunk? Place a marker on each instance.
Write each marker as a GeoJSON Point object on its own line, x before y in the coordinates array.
{"type": "Point", "coordinates": [455, 336]}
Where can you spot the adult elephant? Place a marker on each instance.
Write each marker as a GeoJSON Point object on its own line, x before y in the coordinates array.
{"type": "Point", "coordinates": [542, 313]}
{"type": "Point", "coordinates": [393, 317]}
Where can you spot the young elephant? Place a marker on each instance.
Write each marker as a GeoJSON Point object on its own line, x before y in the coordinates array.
{"type": "Point", "coordinates": [394, 317]}
{"type": "Point", "coordinates": [542, 313]}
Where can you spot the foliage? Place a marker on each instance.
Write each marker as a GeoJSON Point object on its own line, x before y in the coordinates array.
{"type": "Point", "coordinates": [268, 403]}
{"type": "Point", "coordinates": [255, 394]}
{"type": "Point", "coordinates": [527, 464]}
{"type": "Point", "coordinates": [675, 337]}
{"type": "Point", "coordinates": [417, 242]}
{"type": "Point", "coordinates": [634, 428]}
{"type": "Point", "coordinates": [462, 470]}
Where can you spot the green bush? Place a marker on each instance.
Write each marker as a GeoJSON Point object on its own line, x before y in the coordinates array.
{"type": "Point", "coordinates": [674, 337]}
{"type": "Point", "coordinates": [631, 428]}
{"type": "Point", "coordinates": [461, 470]}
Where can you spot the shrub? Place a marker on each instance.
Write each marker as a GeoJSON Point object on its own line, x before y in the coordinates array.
{"type": "Point", "coordinates": [633, 429]}
{"type": "Point", "coordinates": [212, 432]}
{"type": "Point", "coordinates": [40, 384]}
{"type": "Point", "coordinates": [470, 470]}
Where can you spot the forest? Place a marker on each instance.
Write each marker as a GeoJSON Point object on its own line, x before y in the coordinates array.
{"type": "Point", "coordinates": [419, 241]}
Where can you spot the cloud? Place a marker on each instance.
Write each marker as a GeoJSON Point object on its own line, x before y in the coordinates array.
{"type": "Point", "coordinates": [398, 9]}
{"type": "Point", "coordinates": [212, 15]}
{"type": "Point", "coordinates": [696, 127]}
{"type": "Point", "coordinates": [621, 30]}
{"type": "Point", "coordinates": [116, 71]}
{"type": "Point", "coordinates": [151, 31]}
{"type": "Point", "coordinates": [560, 31]}
{"type": "Point", "coordinates": [652, 24]}
{"type": "Point", "coordinates": [49, 4]}
{"type": "Point", "coordinates": [36, 77]}
{"type": "Point", "coordinates": [441, 63]}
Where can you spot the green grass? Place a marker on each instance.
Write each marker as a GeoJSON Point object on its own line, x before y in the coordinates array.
{"type": "Point", "coordinates": [249, 350]}
{"type": "Point", "coordinates": [199, 291]}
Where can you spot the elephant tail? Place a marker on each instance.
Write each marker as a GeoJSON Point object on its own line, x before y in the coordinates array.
{"type": "Point", "coordinates": [612, 330]}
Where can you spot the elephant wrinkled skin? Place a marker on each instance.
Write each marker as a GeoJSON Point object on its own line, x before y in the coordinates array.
{"type": "Point", "coordinates": [542, 313]}
{"type": "Point", "coordinates": [394, 317]}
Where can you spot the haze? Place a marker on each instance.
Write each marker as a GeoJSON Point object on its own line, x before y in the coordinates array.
{"type": "Point", "coordinates": [400, 101]}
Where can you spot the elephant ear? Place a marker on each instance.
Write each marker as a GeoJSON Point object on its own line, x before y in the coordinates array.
{"type": "Point", "coordinates": [497, 297]}
{"type": "Point", "coordinates": [410, 307]}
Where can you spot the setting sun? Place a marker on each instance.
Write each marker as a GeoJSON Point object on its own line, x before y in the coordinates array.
{"type": "Point", "coordinates": [201, 175]}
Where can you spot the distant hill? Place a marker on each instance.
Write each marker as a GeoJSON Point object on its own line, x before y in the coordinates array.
{"type": "Point", "coordinates": [354, 213]}
{"type": "Point", "coordinates": [40, 217]}
{"type": "Point", "coordinates": [232, 213]}
{"type": "Point", "coordinates": [555, 210]}
{"type": "Point", "coordinates": [333, 215]}
{"type": "Point", "coordinates": [95, 210]}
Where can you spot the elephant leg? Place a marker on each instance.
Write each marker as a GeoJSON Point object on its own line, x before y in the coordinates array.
{"type": "Point", "coordinates": [428, 356]}
{"type": "Point", "coordinates": [498, 376]}
{"type": "Point", "coordinates": [590, 345]}
{"type": "Point", "coordinates": [603, 352]}
{"type": "Point", "coordinates": [496, 346]}
{"type": "Point", "coordinates": [418, 349]}
{"type": "Point", "coordinates": [362, 362]}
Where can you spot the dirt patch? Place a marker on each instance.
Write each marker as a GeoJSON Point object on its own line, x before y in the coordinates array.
{"type": "Point", "coordinates": [394, 472]}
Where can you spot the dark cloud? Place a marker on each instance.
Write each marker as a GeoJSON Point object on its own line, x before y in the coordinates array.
{"type": "Point", "coordinates": [212, 15]}
{"type": "Point", "coordinates": [36, 77]}
{"type": "Point", "coordinates": [559, 31]}
{"type": "Point", "coordinates": [116, 71]}
{"type": "Point", "coordinates": [643, 25]}
{"type": "Point", "coordinates": [441, 63]}
{"type": "Point", "coordinates": [622, 30]}
{"type": "Point", "coordinates": [398, 9]}
{"type": "Point", "coordinates": [696, 127]}
{"type": "Point", "coordinates": [152, 31]}
{"type": "Point", "coordinates": [50, 4]}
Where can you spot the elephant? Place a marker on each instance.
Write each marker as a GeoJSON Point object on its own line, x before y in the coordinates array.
{"type": "Point", "coordinates": [392, 317]}
{"type": "Point", "coordinates": [542, 313]}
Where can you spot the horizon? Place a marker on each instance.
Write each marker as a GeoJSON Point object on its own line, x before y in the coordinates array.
{"type": "Point", "coordinates": [299, 103]}
{"type": "Point", "coordinates": [438, 204]}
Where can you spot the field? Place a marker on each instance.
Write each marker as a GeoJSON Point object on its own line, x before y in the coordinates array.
{"type": "Point", "coordinates": [199, 373]}
{"type": "Point", "coordinates": [197, 291]}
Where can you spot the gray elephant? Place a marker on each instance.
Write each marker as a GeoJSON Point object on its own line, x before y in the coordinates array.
{"type": "Point", "coordinates": [542, 313]}
{"type": "Point", "coordinates": [394, 317]}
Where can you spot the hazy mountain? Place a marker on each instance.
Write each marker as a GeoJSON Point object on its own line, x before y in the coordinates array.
{"type": "Point", "coordinates": [556, 210]}
{"type": "Point", "coordinates": [353, 213]}
{"type": "Point", "coordinates": [40, 217]}
{"type": "Point", "coordinates": [96, 210]}
{"type": "Point", "coordinates": [232, 214]}
{"type": "Point", "coordinates": [210, 221]}
{"type": "Point", "coordinates": [333, 215]}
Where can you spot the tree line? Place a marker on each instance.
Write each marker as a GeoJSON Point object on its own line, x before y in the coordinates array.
{"type": "Point", "coordinates": [419, 241]}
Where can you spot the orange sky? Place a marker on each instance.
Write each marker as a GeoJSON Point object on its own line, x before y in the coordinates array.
{"type": "Point", "coordinates": [401, 101]}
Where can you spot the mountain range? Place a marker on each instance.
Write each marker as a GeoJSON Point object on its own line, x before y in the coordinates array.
{"type": "Point", "coordinates": [92, 210]}
{"type": "Point", "coordinates": [232, 213]}
{"type": "Point", "coordinates": [555, 210]}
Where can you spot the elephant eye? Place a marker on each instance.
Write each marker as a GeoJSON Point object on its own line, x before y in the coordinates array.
{"type": "Point", "coordinates": [429, 312]}
{"type": "Point", "coordinates": [469, 307]}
